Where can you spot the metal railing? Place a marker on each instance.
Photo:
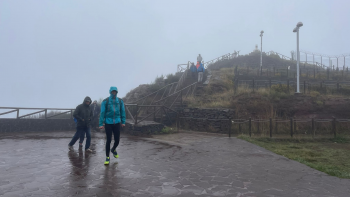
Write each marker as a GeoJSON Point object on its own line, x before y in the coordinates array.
{"type": "Point", "coordinates": [133, 112]}
{"type": "Point", "coordinates": [270, 127]}
{"type": "Point", "coordinates": [42, 110]}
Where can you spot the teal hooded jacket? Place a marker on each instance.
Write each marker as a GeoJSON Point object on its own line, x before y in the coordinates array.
{"type": "Point", "coordinates": [115, 109]}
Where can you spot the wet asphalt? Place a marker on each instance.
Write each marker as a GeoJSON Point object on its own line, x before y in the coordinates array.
{"type": "Point", "coordinates": [185, 164]}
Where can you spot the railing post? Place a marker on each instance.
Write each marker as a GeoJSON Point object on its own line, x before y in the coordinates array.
{"type": "Point", "coordinates": [291, 127]}
{"type": "Point", "coordinates": [154, 114]}
{"type": "Point", "coordinates": [335, 127]}
{"type": "Point", "coordinates": [177, 122]}
{"type": "Point", "coordinates": [71, 114]}
{"type": "Point", "coordinates": [250, 127]}
{"type": "Point", "coordinates": [181, 97]}
{"type": "Point", "coordinates": [17, 113]}
{"type": "Point", "coordinates": [45, 113]}
{"type": "Point", "coordinates": [270, 127]}
{"type": "Point", "coordinates": [137, 110]}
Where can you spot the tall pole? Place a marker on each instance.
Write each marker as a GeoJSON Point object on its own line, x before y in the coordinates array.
{"type": "Point", "coordinates": [261, 57]}
{"type": "Point", "coordinates": [298, 57]}
{"type": "Point", "coordinates": [261, 35]}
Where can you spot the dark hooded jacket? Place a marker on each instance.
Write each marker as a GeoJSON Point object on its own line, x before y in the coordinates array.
{"type": "Point", "coordinates": [83, 114]}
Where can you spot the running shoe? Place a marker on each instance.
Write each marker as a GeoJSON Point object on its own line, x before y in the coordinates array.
{"type": "Point", "coordinates": [115, 154]}
{"type": "Point", "coordinates": [88, 150]}
{"type": "Point", "coordinates": [107, 161]}
{"type": "Point", "coordinates": [70, 147]}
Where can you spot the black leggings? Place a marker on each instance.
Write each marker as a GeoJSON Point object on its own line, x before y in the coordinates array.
{"type": "Point", "coordinates": [115, 128]}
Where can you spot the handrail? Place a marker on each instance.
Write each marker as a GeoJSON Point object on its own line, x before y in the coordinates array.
{"type": "Point", "coordinates": [154, 92]}
{"type": "Point", "coordinates": [36, 108]}
{"type": "Point", "coordinates": [177, 92]}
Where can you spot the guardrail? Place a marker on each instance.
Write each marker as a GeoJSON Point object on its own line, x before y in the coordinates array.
{"type": "Point", "coordinates": [17, 109]}
{"type": "Point", "coordinates": [272, 126]}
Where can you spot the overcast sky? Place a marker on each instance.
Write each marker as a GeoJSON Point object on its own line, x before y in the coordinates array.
{"type": "Point", "coordinates": [54, 53]}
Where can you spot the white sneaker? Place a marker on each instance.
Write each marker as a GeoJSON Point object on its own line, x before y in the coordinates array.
{"type": "Point", "coordinates": [70, 147]}
{"type": "Point", "coordinates": [88, 150]}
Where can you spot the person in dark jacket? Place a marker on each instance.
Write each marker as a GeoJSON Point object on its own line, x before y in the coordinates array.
{"type": "Point", "coordinates": [112, 117]}
{"type": "Point", "coordinates": [193, 70]}
{"type": "Point", "coordinates": [83, 114]}
{"type": "Point", "coordinates": [95, 113]}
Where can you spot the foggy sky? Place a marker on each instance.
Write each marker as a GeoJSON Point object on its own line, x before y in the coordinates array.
{"type": "Point", "coordinates": [54, 53]}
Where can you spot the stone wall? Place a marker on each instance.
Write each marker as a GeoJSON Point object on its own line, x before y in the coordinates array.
{"type": "Point", "coordinates": [144, 128]}
{"type": "Point", "coordinates": [210, 120]}
{"type": "Point", "coordinates": [30, 125]}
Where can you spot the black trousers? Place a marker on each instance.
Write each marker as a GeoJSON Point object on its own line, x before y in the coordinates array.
{"type": "Point", "coordinates": [115, 129]}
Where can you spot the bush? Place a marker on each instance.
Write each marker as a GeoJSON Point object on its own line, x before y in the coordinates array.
{"type": "Point", "coordinates": [279, 88]}
{"type": "Point", "coordinates": [314, 94]}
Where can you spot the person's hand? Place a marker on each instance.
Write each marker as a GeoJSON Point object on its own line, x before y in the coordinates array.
{"type": "Point", "coordinates": [123, 125]}
{"type": "Point", "coordinates": [101, 127]}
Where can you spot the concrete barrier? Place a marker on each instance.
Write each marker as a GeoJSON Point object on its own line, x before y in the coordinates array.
{"type": "Point", "coordinates": [30, 125]}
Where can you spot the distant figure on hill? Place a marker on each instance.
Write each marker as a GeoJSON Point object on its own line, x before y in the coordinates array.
{"type": "Point", "coordinates": [199, 59]}
{"type": "Point", "coordinates": [83, 114]}
{"type": "Point", "coordinates": [200, 71]}
{"type": "Point", "coordinates": [95, 113]}
{"type": "Point", "coordinates": [193, 70]}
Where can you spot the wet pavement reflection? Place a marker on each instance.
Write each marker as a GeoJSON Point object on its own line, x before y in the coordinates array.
{"type": "Point", "coordinates": [187, 164]}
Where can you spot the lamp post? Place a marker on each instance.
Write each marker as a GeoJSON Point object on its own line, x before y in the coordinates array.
{"type": "Point", "coordinates": [296, 29]}
{"type": "Point", "coordinates": [261, 35]}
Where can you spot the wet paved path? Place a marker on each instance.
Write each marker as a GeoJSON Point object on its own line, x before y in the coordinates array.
{"type": "Point", "coordinates": [190, 165]}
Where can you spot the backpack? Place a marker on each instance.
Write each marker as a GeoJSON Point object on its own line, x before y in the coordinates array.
{"type": "Point", "coordinates": [107, 102]}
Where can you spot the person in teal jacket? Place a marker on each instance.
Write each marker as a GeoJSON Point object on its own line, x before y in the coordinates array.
{"type": "Point", "coordinates": [112, 116]}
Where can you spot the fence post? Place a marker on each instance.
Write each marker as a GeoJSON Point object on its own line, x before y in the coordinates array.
{"type": "Point", "coordinates": [229, 128]}
{"type": "Point", "coordinates": [287, 73]}
{"type": "Point", "coordinates": [313, 128]}
{"type": "Point", "coordinates": [45, 113]}
{"type": "Point", "coordinates": [250, 127]}
{"type": "Point", "coordinates": [334, 127]}
{"type": "Point", "coordinates": [154, 114]}
{"type": "Point", "coordinates": [270, 127]}
{"type": "Point", "coordinates": [71, 114]}
{"type": "Point", "coordinates": [137, 110]}
{"type": "Point", "coordinates": [177, 122]}
{"type": "Point", "coordinates": [235, 87]}
{"type": "Point", "coordinates": [291, 127]}
{"type": "Point", "coordinates": [181, 97]}
{"type": "Point", "coordinates": [17, 113]}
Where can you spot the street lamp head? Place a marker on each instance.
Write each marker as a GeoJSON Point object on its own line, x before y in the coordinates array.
{"type": "Point", "coordinates": [261, 33]}
{"type": "Point", "coordinates": [295, 29]}
{"type": "Point", "coordinates": [300, 24]}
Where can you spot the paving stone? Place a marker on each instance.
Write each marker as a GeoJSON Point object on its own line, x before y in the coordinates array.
{"type": "Point", "coordinates": [155, 168]}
